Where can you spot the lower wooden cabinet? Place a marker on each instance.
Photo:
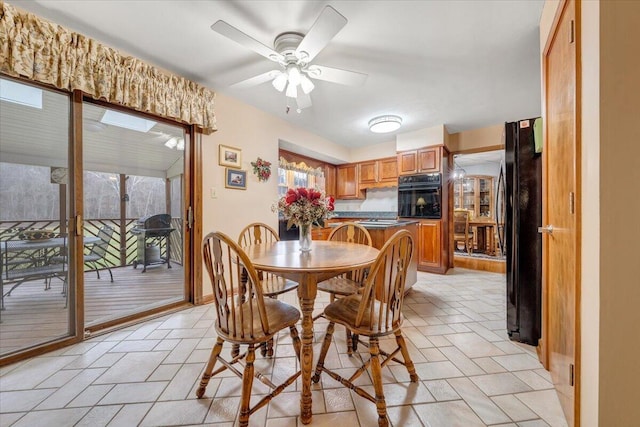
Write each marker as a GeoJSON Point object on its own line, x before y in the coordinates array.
{"type": "Point", "coordinates": [432, 247]}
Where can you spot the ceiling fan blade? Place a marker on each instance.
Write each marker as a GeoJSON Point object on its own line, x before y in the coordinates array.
{"type": "Point", "coordinates": [257, 80]}
{"type": "Point", "coordinates": [336, 75]}
{"type": "Point", "coordinates": [239, 37]}
{"type": "Point", "coordinates": [303, 100]}
{"type": "Point", "coordinates": [328, 24]}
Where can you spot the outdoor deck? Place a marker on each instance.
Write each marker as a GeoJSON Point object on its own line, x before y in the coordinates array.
{"type": "Point", "coordinates": [33, 315]}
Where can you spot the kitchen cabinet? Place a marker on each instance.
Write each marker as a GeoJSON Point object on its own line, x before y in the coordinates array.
{"type": "Point", "coordinates": [432, 248]}
{"type": "Point", "coordinates": [423, 160]}
{"type": "Point", "coordinates": [475, 193]}
{"type": "Point", "coordinates": [347, 182]}
{"type": "Point", "coordinates": [330, 180]}
{"type": "Point", "coordinates": [378, 173]}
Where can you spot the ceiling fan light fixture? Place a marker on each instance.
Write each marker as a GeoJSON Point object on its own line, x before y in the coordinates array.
{"type": "Point", "coordinates": [280, 82]}
{"type": "Point", "coordinates": [293, 71]}
{"type": "Point", "coordinates": [385, 124]}
{"type": "Point", "coordinates": [306, 84]}
{"type": "Point", "coordinates": [292, 90]}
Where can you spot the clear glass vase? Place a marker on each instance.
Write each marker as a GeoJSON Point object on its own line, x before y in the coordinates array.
{"type": "Point", "coordinates": [305, 237]}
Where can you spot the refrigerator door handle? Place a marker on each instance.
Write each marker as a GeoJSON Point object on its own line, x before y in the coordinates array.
{"type": "Point", "coordinates": [546, 230]}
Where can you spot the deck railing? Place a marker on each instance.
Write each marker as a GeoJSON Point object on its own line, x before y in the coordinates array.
{"type": "Point", "coordinates": [122, 250]}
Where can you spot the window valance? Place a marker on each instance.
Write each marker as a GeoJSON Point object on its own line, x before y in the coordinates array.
{"type": "Point", "coordinates": [45, 52]}
{"type": "Point", "coordinates": [300, 167]}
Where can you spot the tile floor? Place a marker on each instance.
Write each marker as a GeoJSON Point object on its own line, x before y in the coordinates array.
{"type": "Point", "coordinates": [470, 373]}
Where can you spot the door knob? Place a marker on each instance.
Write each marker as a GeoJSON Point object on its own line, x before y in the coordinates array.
{"type": "Point", "coordinates": [546, 230]}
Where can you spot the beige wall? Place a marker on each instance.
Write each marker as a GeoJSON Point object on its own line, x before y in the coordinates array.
{"type": "Point", "coordinates": [378, 151]}
{"type": "Point", "coordinates": [590, 264]}
{"type": "Point", "coordinates": [257, 134]}
{"type": "Point", "coordinates": [420, 138]}
{"type": "Point", "coordinates": [476, 139]}
{"type": "Point", "coordinates": [619, 204]}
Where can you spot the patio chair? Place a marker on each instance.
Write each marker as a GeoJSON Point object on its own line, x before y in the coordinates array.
{"type": "Point", "coordinates": [350, 283]}
{"type": "Point", "coordinates": [375, 312]}
{"type": "Point", "coordinates": [97, 251]}
{"type": "Point", "coordinates": [272, 284]}
{"type": "Point", "coordinates": [245, 318]}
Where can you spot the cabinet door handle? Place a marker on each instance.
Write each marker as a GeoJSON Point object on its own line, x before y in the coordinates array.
{"type": "Point", "coordinates": [546, 230]}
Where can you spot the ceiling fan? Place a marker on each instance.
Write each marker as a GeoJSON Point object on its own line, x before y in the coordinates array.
{"type": "Point", "coordinates": [294, 52]}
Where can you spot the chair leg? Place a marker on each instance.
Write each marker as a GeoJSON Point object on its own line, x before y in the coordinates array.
{"type": "Point", "coordinates": [247, 382]}
{"type": "Point", "coordinates": [349, 342]}
{"type": "Point", "coordinates": [323, 352]}
{"type": "Point", "coordinates": [206, 376]}
{"type": "Point", "coordinates": [408, 363]}
{"type": "Point", "coordinates": [296, 340]}
{"type": "Point", "coordinates": [266, 348]}
{"type": "Point", "coordinates": [376, 375]}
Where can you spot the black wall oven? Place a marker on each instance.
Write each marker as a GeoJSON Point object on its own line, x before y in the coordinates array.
{"type": "Point", "coordinates": [420, 196]}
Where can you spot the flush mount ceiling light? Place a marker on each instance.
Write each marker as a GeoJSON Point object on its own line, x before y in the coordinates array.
{"type": "Point", "coordinates": [384, 124]}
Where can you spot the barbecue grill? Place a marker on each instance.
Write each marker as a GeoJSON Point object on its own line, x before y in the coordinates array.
{"type": "Point", "coordinates": [152, 232]}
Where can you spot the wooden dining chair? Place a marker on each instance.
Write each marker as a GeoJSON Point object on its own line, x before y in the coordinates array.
{"type": "Point", "coordinates": [349, 283]}
{"type": "Point", "coordinates": [272, 284]}
{"type": "Point", "coordinates": [244, 317]}
{"type": "Point", "coordinates": [375, 312]}
{"type": "Point", "coordinates": [461, 230]}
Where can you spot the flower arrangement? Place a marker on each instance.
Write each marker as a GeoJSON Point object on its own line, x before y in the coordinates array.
{"type": "Point", "coordinates": [262, 169]}
{"type": "Point", "coordinates": [304, 206]}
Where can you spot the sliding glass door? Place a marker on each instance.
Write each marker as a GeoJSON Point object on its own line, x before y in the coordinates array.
{"type": "Point", "coordinates": [93, 201]}
{"type": "Point", "coordinates": [34, 210]}
{"type": "Point", "coordinates": [133, 185]}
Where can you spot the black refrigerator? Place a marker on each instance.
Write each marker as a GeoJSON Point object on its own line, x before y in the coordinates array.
{"type": "Point", "coordinates": [523, 243]}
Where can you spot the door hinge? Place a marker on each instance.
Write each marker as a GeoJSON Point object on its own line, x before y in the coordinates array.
{"type": "Point", "coordinates": [572, 35]}
{"type": "Point", "coordinates": [571, 374]}
{"type": "Point", "coordinates": [572, 202]}
{"type": "Point", "coordinates": [190, 218]}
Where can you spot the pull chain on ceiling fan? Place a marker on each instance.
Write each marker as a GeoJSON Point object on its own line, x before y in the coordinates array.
{"type": "Point", "coordinates": [294, 53]}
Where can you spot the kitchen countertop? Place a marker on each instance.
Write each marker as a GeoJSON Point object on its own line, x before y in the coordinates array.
{"type": "Point", "coordinates": [380, 223]}
{"type": "Point", "coordinates": [366, 214]}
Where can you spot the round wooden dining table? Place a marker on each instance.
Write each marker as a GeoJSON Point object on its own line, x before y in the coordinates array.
{"type": "Point", "coordinates": [325, 260]}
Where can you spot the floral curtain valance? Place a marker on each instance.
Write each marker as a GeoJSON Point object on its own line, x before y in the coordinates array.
{"type": "Point", "coordinates": [48, 53]}
{"type": "Point", "coordinates": [300, 167]}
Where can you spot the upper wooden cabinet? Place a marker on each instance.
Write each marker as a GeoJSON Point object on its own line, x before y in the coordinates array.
{"type": "Point", "coordinates": [330, 180]}
{"type": "Point", "coordinates": [423, 160]}
{"type": "Point", "coordinates": [388, 170]}
{"type": "Point", "coordinates": [347, 183]}
{"type": "Point", "coordinates": [378, 173]}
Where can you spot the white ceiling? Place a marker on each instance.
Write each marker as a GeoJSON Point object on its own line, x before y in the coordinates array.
{"type": "Point", "coordinates": [464, 64]}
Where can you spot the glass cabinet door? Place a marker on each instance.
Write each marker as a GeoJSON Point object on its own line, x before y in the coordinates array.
{"type": "Point", "coordinates": [468, 194]}
{"type": "Point", "coordinates": [457, 195]}
{"type": "Point", "coordinates": [485, 197]}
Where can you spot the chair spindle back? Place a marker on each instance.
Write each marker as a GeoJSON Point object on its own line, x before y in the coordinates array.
{"type": "Point", "coordinates": [383, 293]}
{"type": "Point", "coordinates": [236, 302]}
{"type": "Point", "coordinates": [257, 233]}
{"type": "Point", "coordinates": [351, 232]}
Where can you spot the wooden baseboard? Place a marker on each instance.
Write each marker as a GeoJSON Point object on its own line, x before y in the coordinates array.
{"type": "Point", "coordinates": [494, 266]}
{"type": "Point", "coordinates": [206, 299]}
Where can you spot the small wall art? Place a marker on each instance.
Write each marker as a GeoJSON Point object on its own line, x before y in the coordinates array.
{"type": "Point", "coordinates": [236, 179]}
{"type": "Point", "coordinates": [230, 156]}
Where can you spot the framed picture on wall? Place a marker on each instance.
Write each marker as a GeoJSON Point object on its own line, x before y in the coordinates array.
{"type": "Point", "coordinates": [235, 178]}
{"type": "Point", "coordinates": [230, 156]}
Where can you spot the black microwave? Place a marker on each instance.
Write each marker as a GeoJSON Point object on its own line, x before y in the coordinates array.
{"type": "Point", "coordinates": [420, 196]}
